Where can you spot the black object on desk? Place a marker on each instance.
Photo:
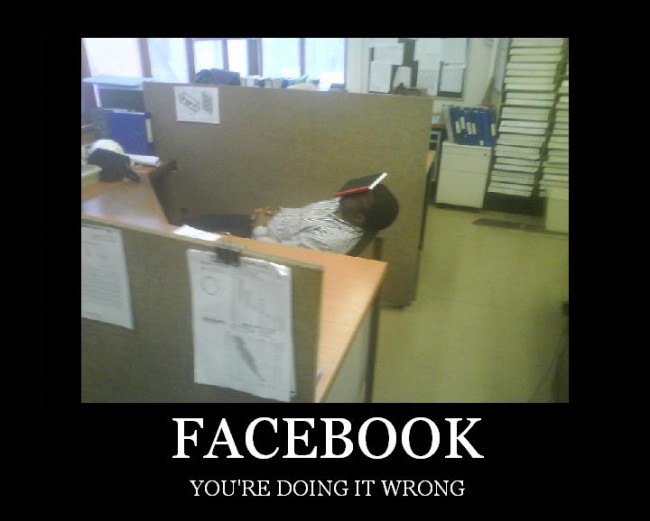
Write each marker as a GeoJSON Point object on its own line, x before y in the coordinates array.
{"type": "Point", "coordinates": [229, 253]}
{"type": "Point", "coordinates": [115, 167]}
{"type": "Point", "coordinates": [234, 224]}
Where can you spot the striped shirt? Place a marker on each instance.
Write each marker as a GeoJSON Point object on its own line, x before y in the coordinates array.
{"type": "Point", "coordinates": [314, 226]}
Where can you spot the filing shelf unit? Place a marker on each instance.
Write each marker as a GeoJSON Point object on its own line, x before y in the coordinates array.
{"type": "Point", "coordinates": [463, 174]}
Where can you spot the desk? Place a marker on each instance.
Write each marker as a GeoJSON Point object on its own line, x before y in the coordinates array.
{"type": "Point", "coordinates": [129, 202]}
{"type": "Point", "coordinates": [349, 309]}
{"type": "Point", "coordinates": [464, 172]}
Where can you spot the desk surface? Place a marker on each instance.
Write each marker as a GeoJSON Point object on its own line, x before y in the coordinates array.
{"type": "Point", "coordinates": [349, 283]}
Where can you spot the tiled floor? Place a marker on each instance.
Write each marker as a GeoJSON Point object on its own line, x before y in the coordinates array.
{"type": "Point", "coordinates": [487, 324]}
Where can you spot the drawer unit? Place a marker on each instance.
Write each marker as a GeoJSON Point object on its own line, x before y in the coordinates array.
{"type": "Point", "coordinates": [466, 158]}
{"type": "Point", "coordinates": [463, 175]}
{"type": "Point", "coordinates": [461, 188]}
{"type": "Point", "coordinates": [557, 210]}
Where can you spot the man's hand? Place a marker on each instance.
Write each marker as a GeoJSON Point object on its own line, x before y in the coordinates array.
{"type": "Point", "coordinates": [268, 211]}
{"type": "Point", "coordinates": [260, 219]}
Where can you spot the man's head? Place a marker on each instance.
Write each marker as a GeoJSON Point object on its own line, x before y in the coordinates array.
{"type": "Point", "coordinates": [373, 210]}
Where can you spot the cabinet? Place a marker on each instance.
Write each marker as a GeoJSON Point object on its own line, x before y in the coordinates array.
{"type": "Point", "coordinates": [463, 174]}
{"type": "Point", "coordinates": [557, 209]}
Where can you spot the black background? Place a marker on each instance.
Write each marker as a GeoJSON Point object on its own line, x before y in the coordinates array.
{"type": "Point", "coordinates": [533, 452]}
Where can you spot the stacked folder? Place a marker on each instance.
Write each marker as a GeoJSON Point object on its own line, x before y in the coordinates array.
{"type": "Point", "coordinates": [555, 168]}
{"type": "Point", "coordinates": [474, 126]}
{"type": "Point", "coordinates": [530, 87]}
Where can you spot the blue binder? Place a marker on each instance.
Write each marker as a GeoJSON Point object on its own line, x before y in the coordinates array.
{"type": "Point", "coordinates": [480, 125]}
{"type": "Point", "coordinates": [492, 125]}
{"type": "Point", "coordinates": [455, 124]}
{"type": "Point", "coordinates": [485, 120]}
{"type": "Point", "coordinates": [132, 130]}
{"type": "Point", "coordinates": [483, 124]}
{"type": "Point", "coordinates": [472, 134]}
{"type": "Point", "coordinates": [460, 125]}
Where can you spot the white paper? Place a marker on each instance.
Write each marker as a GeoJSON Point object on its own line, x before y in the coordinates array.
{"type": "Point", "coordinates": [105, 294]}
{"type": "Point", "coordinates": [402, 75]}
{"type": "Point", "coordinates": [380, 77]}
{"type": "Point", "coordinates": [428, 79]}
{"type": "Point", "coordinates": [188, 231]}
{"type": "Point", "coordinates": [451, 79]}
{"type": "Point", "coordinates": [145, 160]}
{"type": "Point", "coordinates": [393, 54]}
{"type": "Point", "coordinates": [454, 50]}
{"type": "Point", "coordinates": [429, 61]}
{"type": "Point", "coordinates": [241, 320]}
{"type": "Point", "coordinates": [197, 104]}
{"type": "Point", "coordinates": [427, 46]}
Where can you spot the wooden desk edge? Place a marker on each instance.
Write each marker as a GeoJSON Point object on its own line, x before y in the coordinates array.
{"type": "Point", "coordinates": [324, 384]}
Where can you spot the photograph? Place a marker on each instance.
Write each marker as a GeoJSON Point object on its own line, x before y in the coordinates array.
{"type": "Point", "coordinates": [325, 220]}
{"type": "Point", "coordinates": [316, 268]}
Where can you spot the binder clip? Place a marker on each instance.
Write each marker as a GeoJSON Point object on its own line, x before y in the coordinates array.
{"type": "Point", "coordinates": [229, 253]}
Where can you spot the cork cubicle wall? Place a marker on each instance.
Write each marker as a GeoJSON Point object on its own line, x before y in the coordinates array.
{"type": "Point", "coordinates": [154, 362]}
{"type": "Point", "coordinates": [286, 147]}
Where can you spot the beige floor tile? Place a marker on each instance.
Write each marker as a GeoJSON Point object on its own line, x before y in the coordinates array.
{"type": "Point", "coordinates": [487, 324]}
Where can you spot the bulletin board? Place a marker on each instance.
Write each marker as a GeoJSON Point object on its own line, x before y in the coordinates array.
{"type": "Point", "coordinates": [436, 64]}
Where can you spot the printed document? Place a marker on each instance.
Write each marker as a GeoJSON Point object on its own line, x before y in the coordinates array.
{"type": "Point", "coordinates": [454, 50]}
{"type": "Point", "coordinates": [380, 77]}
{"type": "Point", "coordinates": [197, 104]}
{"type": "Point", "coordinates": [451, 79]}
{"type": "Point", "coordinates": [428, 79]}
{"type": "Point", "coordinates": [393, 54]}
{"type": "Point", "coordinates": [241, 321]}
{"type": "Point", "coordinates": [403, 76]}
{"type": "Point", "coordinates": [105, 294]}
{"type": "Point", "coordinates": [427, 46]}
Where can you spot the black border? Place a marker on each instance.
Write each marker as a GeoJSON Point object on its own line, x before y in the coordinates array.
{"type": "Point", "coordinates": [125, 451]}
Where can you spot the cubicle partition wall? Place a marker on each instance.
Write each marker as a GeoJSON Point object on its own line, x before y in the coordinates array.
{"type": "Point", "coordinates": [288, 148]}
{"type": "Point", "coordinates": [154, 362]}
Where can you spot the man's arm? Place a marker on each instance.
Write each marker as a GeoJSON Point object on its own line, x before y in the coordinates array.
{"type": "Point", "coordinates": [328, 240]}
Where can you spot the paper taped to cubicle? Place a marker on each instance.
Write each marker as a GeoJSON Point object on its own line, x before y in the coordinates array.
{"type": "Point", "coordinates": [105, 293]}
{"type": "Point", "coordinates": [241, 322]}
{"type": "Point", "coordinates": [197, 104]}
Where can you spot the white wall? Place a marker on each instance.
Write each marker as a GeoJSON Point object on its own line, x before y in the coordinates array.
{"type": "Point", "coordinates": [477, 75]}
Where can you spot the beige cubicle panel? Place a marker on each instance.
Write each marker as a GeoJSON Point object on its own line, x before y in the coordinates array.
{"type": "Point", "coordinates": [154, 362]}
{"type": "Point", "coordinates": [289, 147]}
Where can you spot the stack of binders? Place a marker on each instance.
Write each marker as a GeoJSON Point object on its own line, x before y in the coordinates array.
{"type": "Point", "coordinates": [475, 126]}
{"type": "Point", "coordinates": [532, 75]}
{"type": "Point", "coordinates": [555, 168]}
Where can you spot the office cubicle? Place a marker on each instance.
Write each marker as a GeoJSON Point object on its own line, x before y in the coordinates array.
{"type": "Point", "coordinates": [154, 361]}
{"type": "Point", "coordinates": [289, 148]}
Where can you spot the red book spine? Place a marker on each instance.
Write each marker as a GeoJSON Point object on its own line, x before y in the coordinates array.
{"type": "Point", "coordinates": [353, 191]}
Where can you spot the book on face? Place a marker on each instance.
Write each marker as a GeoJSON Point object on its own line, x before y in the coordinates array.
{"type": "Point", "coordinates": [361, 184]}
